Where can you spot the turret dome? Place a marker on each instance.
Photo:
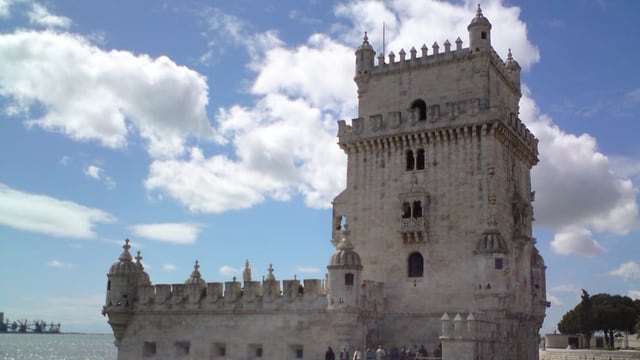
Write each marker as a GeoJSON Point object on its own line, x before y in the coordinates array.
{"type": "Point", "coordinates": [491, 242]}
{"type": "Point", "coordinates": [125, 264]}
{"type": "Point", "coordinates": [345, 255]}
{"type": "Point", "coordinates": [479, 19]}
{"type": "Point", "coordinates": [196, 277]}
{"type": "Point", "coordinates": [511, 64]}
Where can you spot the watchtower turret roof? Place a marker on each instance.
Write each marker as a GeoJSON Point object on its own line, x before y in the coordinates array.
{"type": "Point", "coordinates": [479, 19]}
{"type": "Point", "coordinates": [125, 264]}
{"type": "Point", "coordinates": [196, 277]}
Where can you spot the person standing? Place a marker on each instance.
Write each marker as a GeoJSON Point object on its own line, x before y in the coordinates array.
{"type": "Point", "coordinates": [357, 354]}
{"type": "Point", "coordinates": [344, 354]}
{"type": "Point", "coordinates": [329, 355]}
{"type": "Point", "coordinates": [380, 353]}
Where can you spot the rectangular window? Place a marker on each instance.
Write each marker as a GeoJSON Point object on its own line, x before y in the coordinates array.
{"type": "Point", "coordinates": [499, 263]}
{"type": "Point", "coordinates": [148, 349]}
{"type": "Point", "coordinates": [219, 350]}
{"type": "Point", "coordinates": [182, 348]}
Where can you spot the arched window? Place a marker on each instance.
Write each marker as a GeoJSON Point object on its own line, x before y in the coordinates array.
{"type": "Point", "coordinates": [410, 160]}
{"type": "Point", "coordinates": [406, 210]}
{"type": "Point", "coordinates": [420, 160]}
{"type": "Point", "coordinates": [422, 109]}
{"type": "Point", "coordinates": [348, 279]}
{"type": "Point", "coordinates": [416, 265]}
{"type": "Point", "coordinates": [417, 209]}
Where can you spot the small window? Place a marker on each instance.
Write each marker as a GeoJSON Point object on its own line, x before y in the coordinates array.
{"type": "Point", "coordinates": [421, 106]}
{"type": "Point", "coordinates": [416, 265]}
{"type": "Point", "coordinates": [148, 348]}
{"type": "Point", "coordinates": [220, 350]}
{"type": "Point", "coordinates": [108, 285]}
{"type": "Point", "coordinates": [348, 279]}
{"type": "Point", "coordinates": [182, 348]}
{"type": "Point", "coordinates": [299, 353]}
{"type": "Point", "coordinates": [410, 160]}
{"type": "Point", "coordinates": [259, 352]}
{"type": "Point", "coordinates": [499, 263]}
{"type": "Point", "coordinates": [420, 160]}
{"type": "Point", "coordinates": [483, 35]}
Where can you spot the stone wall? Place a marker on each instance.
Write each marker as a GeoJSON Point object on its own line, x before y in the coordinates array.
{"type": "Point", "coordinates": [559, 354]}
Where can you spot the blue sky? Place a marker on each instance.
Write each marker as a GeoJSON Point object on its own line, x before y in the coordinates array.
{"type": "Point", "coordinates": [206, 130]}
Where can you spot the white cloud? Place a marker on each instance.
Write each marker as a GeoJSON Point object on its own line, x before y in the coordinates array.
{"type": "Point", "coordinates": [93, 94]}
{"type": "Point", "coordinates": [566, 288]}
{"type": "Point", "coordinates": [48, 215]}
{"type": "Point", "coordinates": [175, 233]}
{"type": "Point", "coordinates": [39, 15]}
{"type": "Point", "coordinates": [226, 270]}
{"type": "Point", "coordinates": [575, 240]}
{"type": "Point", "coordinates": [169, 267]}
{"type": "Point", "coordinates": [554, 300]}
{"type": "Point", "coordinates": [576, 189]}
{"type": "Point", "coordinates": [308, 270]}
{"type": "Point", "coordinates": [627, 271]}
{"type": "Point", "coordinates": [97, 173]}
{"type": "Point", "coordinates": [5, 8]}
{"type": "Point", "coordinates": [93, 171]}
{"type": "Point", "coordinates": [59, 264]}
{"type": "Point", "coordinates": [65, 160]}
{"type": "Point", "coordinates": [634, 294]}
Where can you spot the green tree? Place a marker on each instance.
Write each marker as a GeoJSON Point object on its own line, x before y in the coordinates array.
{"type": "Point", "coordinates": [601, 312]}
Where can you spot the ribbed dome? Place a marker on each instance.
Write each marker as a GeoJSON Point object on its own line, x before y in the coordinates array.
{"type": "Point", "coordinates": [365, 44]}
{"type": "Point", "coordinates": [125, 264]}
{"type": "Point", "coordinates": [345, 255]}
{"type": "Point", "coordinates": [479, 19]}
{"type": "Point", "coordinates": [510, 63]}
{"type": "Point", "coordinates": [195, 277]}
{"type": "Point", "coordinates": [491, 242]}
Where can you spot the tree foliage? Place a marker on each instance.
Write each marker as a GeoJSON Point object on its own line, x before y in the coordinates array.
{"type": "Point", "coordinates": [602, 312]}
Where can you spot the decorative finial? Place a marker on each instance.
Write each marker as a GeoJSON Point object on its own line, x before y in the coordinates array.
{"type": "Point", "coordinates": [509, 57]}
{"type": "Point", "coordinates": [125, 256]}
{"type": "Point", "coordinates": [365, 40]}
{"type": "Point", "coordinates": [139, 261]}
{"type": "Point", "coordinates": [479, 11]}
{"type": "Point", "coordinates": [196, 266]}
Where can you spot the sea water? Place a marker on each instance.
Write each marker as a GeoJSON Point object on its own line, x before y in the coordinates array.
{"type": "Point", "coordinates": [57, 347]}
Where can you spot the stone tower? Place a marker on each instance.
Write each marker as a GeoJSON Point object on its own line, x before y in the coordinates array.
{"type": "Point", "coordinates": [438, 198]}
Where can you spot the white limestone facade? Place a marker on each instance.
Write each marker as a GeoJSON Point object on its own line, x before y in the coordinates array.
{"type": "Point", "coordinates": [433, 232]}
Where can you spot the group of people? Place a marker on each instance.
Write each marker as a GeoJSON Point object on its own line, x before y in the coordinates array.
{"type": "Point", "coordinates": [380, 354]}
{"type": "Point", "coordinates": [369, 354]}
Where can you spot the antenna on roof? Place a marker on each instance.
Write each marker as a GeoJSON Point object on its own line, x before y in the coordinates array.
{"type": "Point", "coordinates": [383, 40]}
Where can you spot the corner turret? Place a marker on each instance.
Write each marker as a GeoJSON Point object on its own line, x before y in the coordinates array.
{"type": "Point", "coordinates": [365, 56]}
{"type": "Point", "coordinates": [123, 279]}
{"type": "Point", "coordinates": [479, 32]}
{"type": "Point", "coordinates": [344, 269]}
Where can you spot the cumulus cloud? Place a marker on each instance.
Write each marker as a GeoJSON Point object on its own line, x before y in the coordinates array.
{"type": "Point", "coordinates": [226, 270]}
{"type": "Point", "coordinates": [575, 240]}
{"type": "Point", "coordinates": [627, 271]}
{"type": "Point", "coordinates": [169, 267]}
{"type": "Point", "coordinates": [40, 15]}
{"type": "Point", "coordinates": [47, 215]}
{"type": "Point", "coordinates": [97, 173]}
{"type": "Point", "coordinates": [91, 94]}
{"type": "Point", "coordinates": [175, 233]}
